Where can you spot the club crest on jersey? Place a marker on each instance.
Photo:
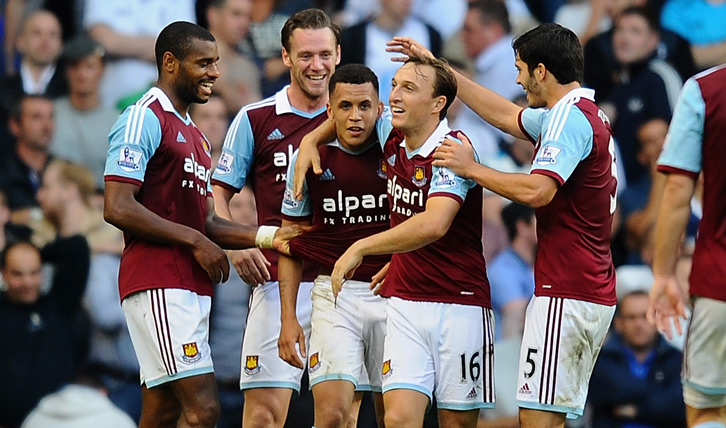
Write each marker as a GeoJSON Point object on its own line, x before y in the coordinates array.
{"type": "Point", "coordinates": [386, 370]}
{"type": "Point", "coordinates": [289, 201]}
{"type": "Point", "coordinates": [191, 353]}
{"type": "Point", "coordinates": [392, 160]}
{"type": "Point", "coordinates": [207, 147]}
{"type": "Point", "coordinates": [445, 179]}
{"type": "Point", "coordinates": [548, 155]}
{"type": "Point", "coordinates": [419, 176]}
{"type": "Point", "coordinates": [382, 169]}
{"type": "Point", "coordinates": [252, 364]}
{"type": "Point", "coordinates": [314, 363]}
{"type": "Point", "coordinates": [130, 159]}
{"type": "Point", "coordinates": [224, 166]}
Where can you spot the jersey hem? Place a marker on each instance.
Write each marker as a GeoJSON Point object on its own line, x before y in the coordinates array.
{"type": "Point", "coordinates": [439, 299]}
{"type": "Point", "coordinates": [675, 170]}
{"type": "Point", "coordinates": [550, 174]}
{"type": "Point", "coordinates": [122, 179]}
{"type": "Point", "coordinates": [216, 182]}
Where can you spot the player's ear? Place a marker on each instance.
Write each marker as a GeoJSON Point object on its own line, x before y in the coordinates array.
{"type": "Point", "coordinates": [169, 62]}
{"type": "Point", "coordinates": [380, 108]}
{"type": "Point", "coordinates": [439, 104]}
{"type": "Point", "coordinates": [286, 58]}
{"type": "Point", "coordinates": [337, 55]}
{"type": "Point", "coordinates": [330, 111]}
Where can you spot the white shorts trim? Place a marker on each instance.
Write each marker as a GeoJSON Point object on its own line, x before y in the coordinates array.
{"type": "Point", "coordinates": [346, 342]}
{"type": "Point", "coordinates": [169, 329]}
{"type": "Point", "coordinates": [562, 339]}
{"type": "Point", "coordinates": [261, 365]}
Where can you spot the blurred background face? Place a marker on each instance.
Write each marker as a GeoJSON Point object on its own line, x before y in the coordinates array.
{"type": "Point", "coordinates": [34, 128]}
{"type": "Point", "coordinates": [40, 39]}
{"type": "Point", "coordinates": [475, 34]}
{"type": "Point", "coordinates": [23, 274]}
{"type": "Point", "coordinates": [651, 136]}
{"type": "Point", "coordinates": [231, 22]}
{"type": "Point", "coordinates": [84, 75]}
{"type": "Point", "coordinates": [354, 108]}
{"type": "Point", "coordinates": [52, 193]}
{"type": "Point", "coordinates": [633, 40]}
{"type": "Point", "coordinates": [211, 119]}
{"type": "Point", "coordinates": [632, 325]}
{"type": "Point", "coordinates": [397, 9]}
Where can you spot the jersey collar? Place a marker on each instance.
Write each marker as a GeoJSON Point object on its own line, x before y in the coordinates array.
{"type": "Point", "coordinates": [575, 95]}
{"type": "Point", "coordinates": [282, 105]}
{"type": "Point", "coordinates": [166, 103]}
{"type": "Point", "coordinates": [432, 142]}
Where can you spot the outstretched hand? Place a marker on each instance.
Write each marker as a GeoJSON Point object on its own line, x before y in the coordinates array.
{"type": "Point", "coordinates": [667, 302]}
{"type": "Point", "coordinates": [458, 157]}
{"type": "Point", "coordinates": [344, 269]}
{"type": "Point", "coordinates": [408, 48]}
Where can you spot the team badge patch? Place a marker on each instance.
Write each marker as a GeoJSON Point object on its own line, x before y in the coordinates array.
{"type": "Point", "coordinates": [252, 364]}
{"type": "Point", "coordinates": [387, 370]}
{"type": "Point", "coordinates": [382, 169]}
{"type": "Point", "coordinates": [191, 353]}
{"type": "Point", "coordinates": [224, 166]}
{"type": "Point", "coordinates": [445, 179]}
{"type": "Point", "coordinates": [314, 363]}
{"type": "Point", "coordinates": [289, 201]}
{"type": "Point", "coordinates": [130, 159]}
{"type": "Point", "coordinates": [419, 176]}
{"type": "Point", "coordinates": [548, 155]}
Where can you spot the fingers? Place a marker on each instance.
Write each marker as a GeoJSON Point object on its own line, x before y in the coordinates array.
{"type": "Point", "coordinates": [303, 351]}
{"type": "Point", "coordinates": [460, 135]}
{"type": "Point", "coordinates": [225, 269]}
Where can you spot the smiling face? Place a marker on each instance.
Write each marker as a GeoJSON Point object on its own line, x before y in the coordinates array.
{"type": "Point", "coordinates": [197, 72]}
{"type": "Point", "coordinates": [354, 108]}
{"type": "Point", "coordinates": [311, 59]}
{"type": "Point", "coordinates": [528, 82]}
{"type": "Point", "coordinates": [412, 98]}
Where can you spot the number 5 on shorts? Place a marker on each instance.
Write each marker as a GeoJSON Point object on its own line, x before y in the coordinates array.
{"type": "Point", "coordinates": [530, 362]}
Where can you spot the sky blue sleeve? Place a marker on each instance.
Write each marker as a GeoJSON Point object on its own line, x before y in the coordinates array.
{"type": "Point", "coordinates": [291, 206]}
{"type": "Point", "coordinates": [531, 121]}
{"type": "Point", "coordinates": [133, 140]}
{"type": "Point", "coordinates": [383, 126]}
{"type": "Point", "coordinates": [237, 153]}
{"type": "Point", "coordinates": [445, 181]}
{"type": "Point", "coordinates": [565, 141]}
{"type": "Point", "coordinates": [683, 144]}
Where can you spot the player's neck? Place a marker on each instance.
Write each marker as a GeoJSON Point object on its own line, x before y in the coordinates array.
{"type": "Point", "coordinates": [300, 101]}
{"type": "Point", "coordinates": [416, 137]}
{"type": "Point", "coordinates": [181, 107]}
{"type": "Point", "coordinates": [557, 91]}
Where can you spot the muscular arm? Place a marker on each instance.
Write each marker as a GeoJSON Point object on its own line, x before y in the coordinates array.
{"type": "Point", "coordinates": [226, 233]}
{"type": "Point", "coordinates": [123, 45]}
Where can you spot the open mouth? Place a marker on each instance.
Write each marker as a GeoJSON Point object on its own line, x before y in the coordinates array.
{"type": "Point", "coordinates": [355, 131]}
{"type": "Point", "coordinates": [206, 87]}
{"type": "Point", "coordinates": [317, 78]}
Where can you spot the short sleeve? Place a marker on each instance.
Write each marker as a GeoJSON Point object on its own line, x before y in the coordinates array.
{"type": "Point", "coordinates": [530, 122]}
{"type": "Point", "coordinates": [291, 207]}
{"type": "Point", "coordinates": [683, 144]}
{"type": "Point", "coordinates": [133, 140]}
{"type": "Point", "coordinates": [237, 154]}
{"type": "Point", "coordinates": [445, 183]}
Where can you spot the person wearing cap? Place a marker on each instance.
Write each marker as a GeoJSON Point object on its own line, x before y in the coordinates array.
{"type": "Point", "coordinates": [81, 121]}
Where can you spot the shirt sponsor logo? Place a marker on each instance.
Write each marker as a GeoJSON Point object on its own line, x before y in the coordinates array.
{"type": "Point", "coordinates": [191, 353]}
{"type": "Point", "coordinates": [224, 166]}
{"type": "Point", "coordinates": [130, 159]}
{"type": "Point", "coordinates": [252, 364]}
{"type": "Point", "coordinates": [399, 193]}
{"type": "Point", "coordinates": [472, 393]}
{"type": "Point", "coordinates": [445, 179]}
{"type": "Point", "coordinates": [419, 176]}
{"type": "Point", "coordinates": [548, 155]}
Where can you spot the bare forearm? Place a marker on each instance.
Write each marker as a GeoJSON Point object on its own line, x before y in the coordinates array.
{"type": "Point", "coordinates": [526, 189]}
{"type": "Point", "coordinates": [230, 235]}
{"type": "Point", "coordinates": [289, 275]}
{"type": "Point", "coordinates": [673, 216]}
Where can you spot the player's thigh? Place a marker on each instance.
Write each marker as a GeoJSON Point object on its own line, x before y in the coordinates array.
{"type": "Point", "coordinates": [561, 342]}
{"type": "Point", "coordinates": [197, 394]}
{"type": "Point", "coordinates": [704, 358]}
{"type": "Point", "coordinates": [334, 402]}
{"type": "Point", "coordinates": [160, 407]}
{"type": "Point", "coordinates": [169, 329]}
{"type": "Point", "coordinates": [261, 364]}
{"type": "Point", "coordinates": [373, 311]}
{"type": "Point", "coordinates": [464, 357]}
{"type": "Point", "coordinates": [265, 406]}
{"type": "Point", "coordinates": [336, 349]}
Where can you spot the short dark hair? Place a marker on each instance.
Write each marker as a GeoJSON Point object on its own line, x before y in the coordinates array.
{"type": "Point", "coordinates": [11, 245]}
{"type": "Point", "coordinates": [16, 110]}
{"type": "Point", "coordinates": [636, 292]}
{"type": "Point", "coordinates": [356, 74]}
{"type": "Point", "coordinates": [445, 81]}
{"type": "Point", "coordinates": [308, 19]}
{"type": "Point", "coordinates": [514, 213]}
{"type": "Point", "coordinates": [646, 13]}
{"type": "Point", "coordinates": [554, 46]}
{"type": "Point", "coordinates": [177, 38]}
{"type": "Point", "coordinates": [493, 11]}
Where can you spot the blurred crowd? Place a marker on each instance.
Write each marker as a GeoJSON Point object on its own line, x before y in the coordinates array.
{"type": "Point", "coordinates": [71, 66]}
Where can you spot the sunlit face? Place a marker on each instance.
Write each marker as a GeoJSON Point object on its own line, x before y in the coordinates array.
{"type": "Point", "coordinates": [531, 86]}
{"type": "Point", "coordinates": [631, 322]}
{"type": "Point", "coordinates": [23, 274]}
{"type": "Point", "coordinates": [412, 98]}
{"type": "Point", "coordinates": [633, 41]}
{"type": "Point", "coordinates": [84, 75]}
{"type": "Point", "coordinates": [354, 108]}
{"type": "Point", "coordinates": [312, 59]}
{"type": "Point", "coordinates": [40, 39]}
{"type": "Point", "coordinates": [198, 72]}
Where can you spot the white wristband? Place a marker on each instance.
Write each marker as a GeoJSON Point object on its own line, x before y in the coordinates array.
{"type": "Point", "coordinates": [265, 236]}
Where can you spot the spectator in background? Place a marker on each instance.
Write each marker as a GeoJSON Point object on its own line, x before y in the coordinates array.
{"type": "Point", "coordinates": [365, 42]}
{"type": "Point", "coordinates": [39, 326]}
{"type": "Point", "coordinates": [82, 404]}
{"type": "Point", "coordinates": [10, 232]}
{"type": "Point", "coordinates": [701, 22]}
{"type": "Point", "coordinates": [635, 382]}
{"type": "Point", "coordinates": [127, 30]}
{"type": "Point", "coordinates": [239, 80]}
{"type": "Point", "coordinates": [81, 122]}
{"type": "Point", "coordinates": [647, 87]}
{"type": "Point", "coordinates": [31, 121]}
{"type": "Point", "coordinates": [511, 273]}
{"type": "Point", "coordinates": [211, 118]}
{"type": "Point", "coordinates": [488, 43]}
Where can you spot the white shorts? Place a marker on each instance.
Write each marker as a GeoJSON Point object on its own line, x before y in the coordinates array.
{"type": "Point", "coordinates": [444, 349]}
{"type": "Point", "coordinates": [262, 366]}
{"type": "Point", "coordinates": [169, 329]}
{"type": "Point", "coordinates": [346, 342]}
{"type": "Point", "coordinates": [704, 357]}
{"type": "Point", "coordinates": [562, 339]}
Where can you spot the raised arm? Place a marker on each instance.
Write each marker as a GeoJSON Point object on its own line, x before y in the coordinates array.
{"type": "Point", "coordinates": [308, 155]}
